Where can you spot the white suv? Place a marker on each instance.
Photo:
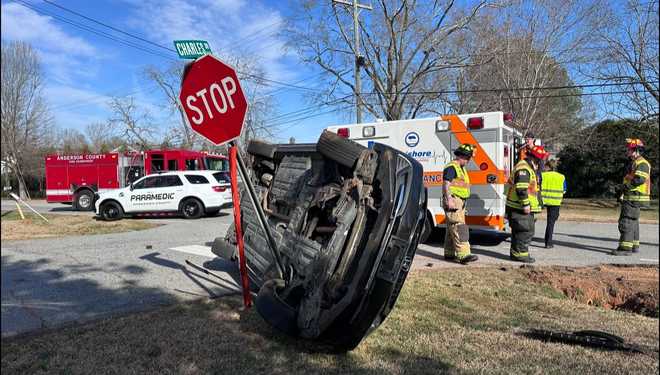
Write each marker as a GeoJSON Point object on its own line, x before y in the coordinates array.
{"type": "Point", "coordinates": [190, 193]}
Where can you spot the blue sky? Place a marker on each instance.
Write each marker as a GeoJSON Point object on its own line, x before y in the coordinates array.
{"type": "Point", "coordinates": [83, 70]}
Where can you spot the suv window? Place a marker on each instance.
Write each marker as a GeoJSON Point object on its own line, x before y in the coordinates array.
{"type": "Point", "coordinates": [222, 177]}
{"type": "Point", "coordinates": [196, 179]}
{"type": "Point", "coordinates": [158, 182]}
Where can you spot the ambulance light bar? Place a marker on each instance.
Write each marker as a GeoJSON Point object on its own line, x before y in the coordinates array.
{"type": "Point", "coordinates": [475, 123]}
{"type": "Point", "coordinates": [508, 117]}
{"type": "Point", "coordinates": [368, 131]}
{"type": "Point", "coordinates": [343, 132]}
{"type": "Point", "coordinates": [441, 126]}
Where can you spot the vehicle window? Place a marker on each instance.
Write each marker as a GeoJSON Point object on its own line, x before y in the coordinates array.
{"type": "Point", "coordinates": [215, 164]}
{"type": "Point", "coordinates": [167, 181]}
{"type": "Point", "coordinates": [196, 179]}
{"type": "Point", "coordinates": [172, 165]}
{"type": "Point", "coordinates": [147, 183]}
{"type": "Point", "coordinates": [192, 164]}
{"type": "Point", "coordinates": [222, 177]}
{"type": "Point", "coordinates": [157, 162]}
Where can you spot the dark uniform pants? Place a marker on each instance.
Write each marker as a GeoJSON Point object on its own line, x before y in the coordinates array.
{"type": "Point", "coordinates": [629, 226]}
{"type": "Point", "coordinates": [522, 232]}
{"type": "Point", "coordinates": [553, 215]}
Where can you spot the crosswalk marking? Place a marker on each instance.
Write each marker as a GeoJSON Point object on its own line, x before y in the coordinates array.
{"type": "Point", "coordinates": [204, 251]}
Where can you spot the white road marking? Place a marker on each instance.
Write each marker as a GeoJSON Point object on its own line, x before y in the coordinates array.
{"type": "Point", "coordinates": [649, 260]}
{"type": "Point", "coordinates": [204, 251]}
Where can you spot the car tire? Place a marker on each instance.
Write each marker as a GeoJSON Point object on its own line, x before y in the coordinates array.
{"type": "Point", "coordinates": [84, 200]}
{"type": "Point", "coordinates": [274, 310]}
{"type": "Point", "coordinates": [338, 149]}
{"type": "Point", "coordinates": [111, 211]}
{"type": "Point", "coordinates": [261, 148]}
{"type": "Point", "coordinates": [191, 208]}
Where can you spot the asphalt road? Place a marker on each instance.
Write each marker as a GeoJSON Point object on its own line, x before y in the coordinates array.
{"type": "Point", "coordinates": [43, 207]}
{"type": "Point", "coordinates": [50, 282]}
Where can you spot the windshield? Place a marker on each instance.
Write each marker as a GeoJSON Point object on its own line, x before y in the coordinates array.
{"type": "Point", "coordinates": [216, 164]}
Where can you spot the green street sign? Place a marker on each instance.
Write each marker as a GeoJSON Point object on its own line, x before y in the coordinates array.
{"type": "Point", "coordinates": [192, 49]}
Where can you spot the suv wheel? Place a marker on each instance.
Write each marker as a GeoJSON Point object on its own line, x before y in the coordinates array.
{"type": "Point", "coordinates": [191, 208]}
{"type": "Point", "coordinates": [84, 200]}
{"type": "Point", "coordinates": [111, 211]}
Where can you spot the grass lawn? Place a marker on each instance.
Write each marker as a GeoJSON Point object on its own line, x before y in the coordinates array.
{"type": "Point", "coordinates": [33, 227]}
{"type": "Point", "coordinates": [600, 210]}
{"type": "Point", "coordinates": [446, 321]}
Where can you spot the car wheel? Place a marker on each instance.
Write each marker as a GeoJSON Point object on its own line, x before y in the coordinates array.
{"type": "Point", "coordinates": [84, 200]}
{"type": "Point", "coordinates": [274, 310]}
{"type": "Point", "coordinates": [338, 149]}
{"type": "Point", "coordinates": [111, 211]}
{"type": "Point", "coordinates": [191, 208]}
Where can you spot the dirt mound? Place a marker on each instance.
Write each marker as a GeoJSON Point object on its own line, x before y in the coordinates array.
{"type": "Point", "coordinates": [630, 288]}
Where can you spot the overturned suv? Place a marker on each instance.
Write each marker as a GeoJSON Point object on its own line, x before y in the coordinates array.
{"type": "Point", "coordinates": [346, 221]}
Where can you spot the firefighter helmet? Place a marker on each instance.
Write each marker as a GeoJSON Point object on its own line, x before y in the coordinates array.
{"type": "Point", "coordinates": [634, 144]}
{"type": "Point", "coordinates": [539, 152]}
{"type": "Point", "coordinates": [466, 150]}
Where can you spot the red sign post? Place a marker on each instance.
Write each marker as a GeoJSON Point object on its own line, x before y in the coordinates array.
{"type": "Point", "coordinates": [215, 107]}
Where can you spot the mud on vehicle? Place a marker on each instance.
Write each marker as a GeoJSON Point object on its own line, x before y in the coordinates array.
{"type": "Point", "coordinates": [346, 221]}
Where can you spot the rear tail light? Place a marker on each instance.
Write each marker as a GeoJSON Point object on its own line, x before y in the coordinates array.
{"type": "Point", "coordinates": [368, 131]}
{"type": "Point", "coordinates": [219, 189]}
{"type": "Point", "coordinates": [343, 132]}
{"type": "Point", "coordinates": [483, 166]}
{"type": "Point", "coordinates": [475, 123]}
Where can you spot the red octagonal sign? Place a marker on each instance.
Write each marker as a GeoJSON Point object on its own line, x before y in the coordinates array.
{"type": "Point", "coordinates": [213, 100]}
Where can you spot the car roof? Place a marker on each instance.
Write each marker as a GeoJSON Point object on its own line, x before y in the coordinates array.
{"type": "Point", "coordinates": [179, 173]}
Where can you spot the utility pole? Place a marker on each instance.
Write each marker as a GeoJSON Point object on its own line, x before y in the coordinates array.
{"type": "Point", "coordinates": [359, 59]}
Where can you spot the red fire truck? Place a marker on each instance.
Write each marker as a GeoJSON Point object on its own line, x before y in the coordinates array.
{"type": "Point", "coordinates": [75, 179]}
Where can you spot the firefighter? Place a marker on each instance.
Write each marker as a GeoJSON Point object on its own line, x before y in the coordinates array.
{"type": "Point", "coordinates": [553, 188]}
{"type": "Point", "coordinates": [522, 202]}
{"type": "Point", "coordinates": [456, 190]}
{"type": "Point", "coordinates": [633, 194]}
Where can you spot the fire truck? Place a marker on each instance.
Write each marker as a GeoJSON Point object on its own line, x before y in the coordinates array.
{"type": "Point", "coordinates": [431, 141]}
{"type": "Point", "coordinates": [76, 179]}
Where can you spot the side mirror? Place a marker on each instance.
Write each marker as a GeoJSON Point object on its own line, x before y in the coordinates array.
{"type": "Point", "coordinates": [130, 187]}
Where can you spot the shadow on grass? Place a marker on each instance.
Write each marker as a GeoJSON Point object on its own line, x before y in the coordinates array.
{"type": "Point", "coordinates": [602, 238]}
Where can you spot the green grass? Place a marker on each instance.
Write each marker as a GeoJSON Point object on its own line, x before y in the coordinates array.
{"type": "Point", "coordinates": [601, 210]}
{"type": "Point", "coordinates": [13, 228]}
{"type": "Point", "coordinates": [451, 320]}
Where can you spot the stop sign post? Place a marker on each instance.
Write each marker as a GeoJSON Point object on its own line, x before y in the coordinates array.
{"type": "Point", "coordinates": [215, 107]}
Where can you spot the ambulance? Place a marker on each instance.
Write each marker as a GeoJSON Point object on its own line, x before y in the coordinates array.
{"type": "Point", "coordinates": [432, 141]}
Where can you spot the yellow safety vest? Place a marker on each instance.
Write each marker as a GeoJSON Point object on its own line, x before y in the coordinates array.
{"type": "Point", "coordinates": [552, 188]}
{"type": "Point", "coordinates": [512, 199]}
{"type": "Point", "coordinates": [460, 185]}
{"type": "Point", "coordinates": [640, 193]}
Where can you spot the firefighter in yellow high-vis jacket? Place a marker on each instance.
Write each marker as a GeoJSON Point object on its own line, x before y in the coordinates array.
{"type": "Point", "coordinates": [456, 190]}
{"type": "Point", "coordinates": [635, 193]}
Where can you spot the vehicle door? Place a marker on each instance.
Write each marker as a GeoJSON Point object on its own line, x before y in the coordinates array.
{"type": "Point", "coordinates": [156, 193]}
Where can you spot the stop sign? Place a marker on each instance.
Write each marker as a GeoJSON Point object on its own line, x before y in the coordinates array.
{"type": "Point", "coordinates": [213, 100]}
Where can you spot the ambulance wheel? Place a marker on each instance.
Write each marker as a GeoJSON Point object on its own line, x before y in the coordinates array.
{"type": "Point", "coordinates": [191, 208]}
{"type": "Point", "coordinates": [427, 229]}
{"type": "Point", "coordinates": [111, 211]}
{"type": "Point", "coordinates": [84, 200]}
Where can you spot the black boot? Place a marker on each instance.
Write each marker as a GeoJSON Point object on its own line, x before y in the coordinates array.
{"type": "Point", "coordinates": [526, 259]}
{"type": "Point", "coordinates": [468, 259]}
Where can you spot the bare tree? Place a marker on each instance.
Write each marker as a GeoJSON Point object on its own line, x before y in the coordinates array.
{"type": "Point", "coordinates": [102, 138]}
{"type": "Point", "coordinates": [628, 55]}
{"type": "Point", "coordinates": [132, 124]}
{"type": "Point", "coordinates": [405, 51]}
{"type": "Point", "coordinates": [26, 120]}
{"type": "Point", "coordinates": [523, 58]}
{"type": "Point", "coordinates": [72, 141]}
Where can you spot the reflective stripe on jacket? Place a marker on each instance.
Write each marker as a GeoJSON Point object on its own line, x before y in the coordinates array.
{"type": "Point", "coordinates": [552, 188]}
{"type": "Point", "coordinates": [512, 198]}
{"type": "Point", "coordinates": [460, 185]}
{"type": "Point", "coordinates": [640, 193]}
